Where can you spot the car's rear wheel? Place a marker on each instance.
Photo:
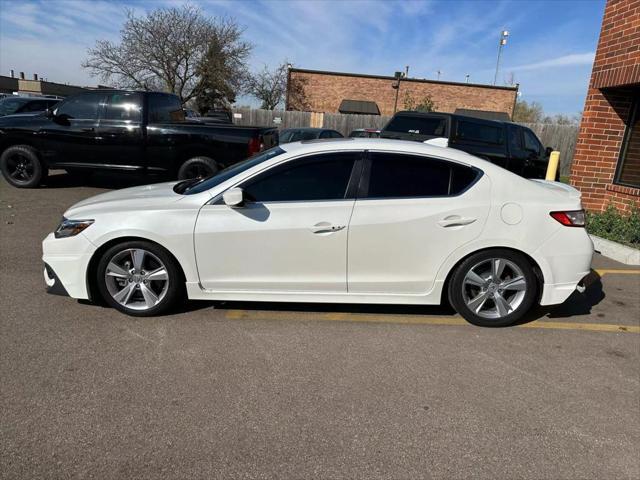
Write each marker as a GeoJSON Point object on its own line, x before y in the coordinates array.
{"type": "Point", "coordinates": [493, 288]}
{"type": "Point", "coordinates": [139, 278]}
{"type": "Point", "coordinates": [198, 167]}
{"type": "Point", "coordinates": [21, 167]}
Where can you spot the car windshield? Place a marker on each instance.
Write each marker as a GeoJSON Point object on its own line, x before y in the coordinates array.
{"type": "Point", "coordinates": [10, 105]}
{"type": "Point", "coordinates": [288, 136]}
{"type": "Point", "coordinates": [189, 187]}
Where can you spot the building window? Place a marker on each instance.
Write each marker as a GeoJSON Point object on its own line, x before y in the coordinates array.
{"type": "Point", "coordinates": [628, 171]}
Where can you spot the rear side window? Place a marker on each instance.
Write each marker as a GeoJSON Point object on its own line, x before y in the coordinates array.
{"type": "Point", "coordinates": [480, 132]}
{"type": "Point", "coordinates": [318, 177]}
{"type": "Point", "coordinates": [515, 142]}
{"type": "Point", "coordinates": [165, 109]}
{"type": "Point", "coordinates": [531, 142]}
{"type": "Point", "coordinates": [81, 107]}
{"type": "Point", "coordinates": [418, 125]}
{"type": "Point", "coordinates": [124, 106]}
{"type": "Point", "coordinates": [405, 176]}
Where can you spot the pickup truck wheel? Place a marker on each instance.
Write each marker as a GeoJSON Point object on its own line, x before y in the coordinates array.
{"type": "Point", "coordinates": [198, 167]}
{"type": "Point", "coordinates": [21, 167]}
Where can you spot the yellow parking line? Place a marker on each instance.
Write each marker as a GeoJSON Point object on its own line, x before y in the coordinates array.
{"type": "Point", "coordinates": [604, 271]}
{"type": "Point", "coordinates": [416, 320]}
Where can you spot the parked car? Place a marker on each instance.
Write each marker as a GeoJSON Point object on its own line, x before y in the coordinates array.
{"type": "Point", "coordinates": [13, 104]}
{"type": "Point", "coordinates": [122, 131]}
{"type": "Point", "coordinates": [506, 144]}
{"type": "Point", "coordinates": [353, 221]}
{"type": "Point", "coordinates": [288, 135]}
{"type": "Point", "coordinates": [365, 133]}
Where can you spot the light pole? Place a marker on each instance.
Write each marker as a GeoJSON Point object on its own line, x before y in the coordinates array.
{"type": "Point", "coordinates": [396, 86]}
{"type": "Point", "coordinates": [503, 41]}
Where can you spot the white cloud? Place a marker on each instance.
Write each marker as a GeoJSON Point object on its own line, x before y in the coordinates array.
{"type": "Point", "coordinates": [564, 61]}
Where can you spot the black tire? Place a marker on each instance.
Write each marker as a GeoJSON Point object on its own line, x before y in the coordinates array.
{"type": "Point", "coordinates": [462, 292]}
{"type": "Point", "coordinates": [198, 167]}
{"type": "Point", "coordinates": [133, 304]}
{"type": "Point", "coordinates": [22, 167]}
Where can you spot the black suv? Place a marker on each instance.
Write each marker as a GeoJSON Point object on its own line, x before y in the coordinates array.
{"type": "Point", "coordinates": [507, 144]}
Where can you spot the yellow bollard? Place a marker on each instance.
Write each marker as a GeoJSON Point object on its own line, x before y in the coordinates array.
{"type": "Point", "coordinates": [552, 168]}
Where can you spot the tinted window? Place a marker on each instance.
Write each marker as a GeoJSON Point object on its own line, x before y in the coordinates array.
{"type": "Point", "coordinates": [34, 106]}
{"type": "Point", "coordinates": [165, 109]}
{"type": "Point", "coordinates": [84, 107]}
{"type": "Point", "coordinates": [480, 132]}
{"type": "Point", "coordinates": [515, 142]}
{"type": "Point", "coordinates": [418, 125]}
{"type": "Point", "coordinates": [629, 163]}
{"type": "Point", "coordinates": [11, 105]}
{"type": "Point", "coordinates": [402, 176]}
{"type": "Point", "coordinates": [531, 142]}
{"type": "Point", "coordinates": [124, 106]}
{"type": "Point", "coordinates": [319, 177]}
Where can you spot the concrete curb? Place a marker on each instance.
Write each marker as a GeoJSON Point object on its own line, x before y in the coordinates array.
{"type": "Point", "coordinates": [616, 251]}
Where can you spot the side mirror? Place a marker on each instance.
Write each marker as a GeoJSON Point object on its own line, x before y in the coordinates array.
{"type": "Point", "coordinates": [234, 197]}
{"type": "Point", "coordinates": [49, 113]}
{"type": "Point", "coordinates": [547, 151]}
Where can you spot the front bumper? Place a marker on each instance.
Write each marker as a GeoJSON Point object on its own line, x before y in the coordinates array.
{"type": "Point", "coordinates": [66, 261]}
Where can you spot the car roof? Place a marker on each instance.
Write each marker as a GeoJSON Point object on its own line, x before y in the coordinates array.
{"type": "Point", "coordinates": [414, 113]}
{"type": "Point", "coordinates": [390, 145]}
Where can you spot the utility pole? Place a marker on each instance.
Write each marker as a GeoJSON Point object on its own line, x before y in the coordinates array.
{"type": "Point", "coordinates": [398, 76]}
{"type": "Point", "coordinates": [503, 41]}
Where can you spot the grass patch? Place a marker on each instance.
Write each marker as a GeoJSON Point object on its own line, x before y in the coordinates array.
{"type": "Point", "coordinates": [614, 226]}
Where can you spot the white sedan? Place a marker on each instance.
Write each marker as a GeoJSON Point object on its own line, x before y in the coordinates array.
{"type": "Point", "coordinates": [340, 221]}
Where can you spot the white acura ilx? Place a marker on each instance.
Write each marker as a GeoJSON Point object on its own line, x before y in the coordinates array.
{"type": "Point", "coordinates": [349, 221]}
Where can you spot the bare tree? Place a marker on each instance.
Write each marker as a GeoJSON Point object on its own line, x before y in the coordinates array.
{"type": "Point", "coordinates": [270, 86]}
{"type": "Point", "coordinates": [167, 50]}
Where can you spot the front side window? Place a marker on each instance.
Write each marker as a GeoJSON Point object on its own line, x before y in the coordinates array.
{"type": "Point", "coordinates": [396, 175]}
{"type": "Point", "coordinates": [629, 164]}
{"type": "Point", "coordinates": [165, 109]}
{"type": "Point", "coordinates": [317, 177]}
{"type": "Point", "coordinates": [531, 142]}
{"type": "Point", "coordinates": [81, 107]}
{"type": "Point", "coordinates": [11, 105]}
{"type": "Point", "coordinates": [125, 106]}
{"type": "Point", "coordinates": [35, 106]}
{"type": "Point", "coordinates": [480, 132]}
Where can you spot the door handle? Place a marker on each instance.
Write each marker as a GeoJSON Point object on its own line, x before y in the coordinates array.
{"type": "Point", "coordinates": [88, 129]}
{"type": "Point", "coordinates": [324, 228]}
{"type": "Point", "coordinates": [456, 221]}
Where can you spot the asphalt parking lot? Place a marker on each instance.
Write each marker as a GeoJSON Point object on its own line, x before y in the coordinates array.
{"type": "Point", "coordinates": [232, 390]}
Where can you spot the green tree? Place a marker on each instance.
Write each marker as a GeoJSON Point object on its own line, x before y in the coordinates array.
{"type": "Point", "coordinates": [426, 104]}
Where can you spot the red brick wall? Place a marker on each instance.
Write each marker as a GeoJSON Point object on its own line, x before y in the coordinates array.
{"type": "Point", "coordinates": [324, 92]}
{"type": "Point", "coordinates": [615, 80]}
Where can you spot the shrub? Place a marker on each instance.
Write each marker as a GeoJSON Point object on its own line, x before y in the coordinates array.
{"type": "Point", "coordinates": [615, 226]}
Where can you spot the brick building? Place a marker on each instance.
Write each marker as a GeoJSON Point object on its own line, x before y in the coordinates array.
{"type": "Point", "coordinates": [36, 86]}
{"type": "Point", "coordinates": [606, 165]}
{"type": "Point", "coordinates": [319, 91]}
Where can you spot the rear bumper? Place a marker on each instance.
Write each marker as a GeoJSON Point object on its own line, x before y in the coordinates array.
{"type": "Point", "coordinates": [567, 256]}
{"type": "Point", "coordinates": [66, 261]}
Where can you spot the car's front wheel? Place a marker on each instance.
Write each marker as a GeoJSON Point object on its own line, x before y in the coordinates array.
{"type": "Point", "coordinates": [139, 278]}
{"type": "Point", "coordinates": [493, 288]}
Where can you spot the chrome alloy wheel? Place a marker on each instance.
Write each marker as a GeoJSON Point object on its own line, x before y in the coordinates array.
{"type": "Point", "coordinates": [136, 279]}
{"type": "Point", "coordinates": [494, 288]}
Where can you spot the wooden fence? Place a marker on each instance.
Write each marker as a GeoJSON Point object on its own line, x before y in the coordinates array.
{"type": "Point", "coordinates": [559, 137]}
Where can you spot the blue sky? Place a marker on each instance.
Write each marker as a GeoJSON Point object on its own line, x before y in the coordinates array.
{"type": "Point", "coordinates": [549, 52]}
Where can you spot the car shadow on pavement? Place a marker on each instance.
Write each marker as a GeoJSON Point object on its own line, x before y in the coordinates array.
{"type": "Point", "coordinates": [576, 305]}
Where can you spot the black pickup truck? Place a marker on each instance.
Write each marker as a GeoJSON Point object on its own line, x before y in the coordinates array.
{"type": "Point", "coordinates": [507, 144]}
{"type": "Point", "coordinates": [121, 130]}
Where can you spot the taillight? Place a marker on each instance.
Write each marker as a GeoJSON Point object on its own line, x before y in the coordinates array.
{"type": "Point", "coordinates": [254, 146]}
{"type": "Point", "coordinates": [574, 218]}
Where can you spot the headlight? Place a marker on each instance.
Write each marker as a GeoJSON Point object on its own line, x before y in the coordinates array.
{"type": "Point", "coordinates": [70, 228]}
